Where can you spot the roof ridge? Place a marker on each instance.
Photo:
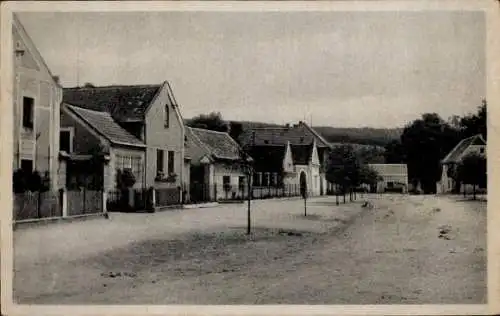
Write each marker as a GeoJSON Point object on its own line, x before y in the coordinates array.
{"type": "Point", "coordinates": [75, 110]}
{"type": "Point", "coordinates": [115, 86]}
{"type": "Point", "coordinates": [202, 143]}
{"type": "Point", "coordinates": [208, 130]}
{"type": "Point", "coordinates": [88, 110]}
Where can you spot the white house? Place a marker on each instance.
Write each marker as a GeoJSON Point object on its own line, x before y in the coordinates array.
{"type": "Point", "coordinates": [394, 177]}
{"type": "Point", "coordinates": [37, 97]}
{"type": "Point", "coordinates": [217, 170]}
{"type": "Point", "coordinates": [474, 144]}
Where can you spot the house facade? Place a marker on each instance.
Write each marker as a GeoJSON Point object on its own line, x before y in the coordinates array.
{"type": "Point", "coordinates": [394, 177]}
{"type": "Point", "coordinates": [151, 114]}
{"type": "Point", "coordinates": [217, 170]}
{"type": "Point", "coordinates": [36, 100]}
{"type": "Point", "coordinates": [97, 149]}
{"type": "Point", "coordinates": [281, 167]}
{"type": "Point", "coordinates": [282, 154]}
{"type": "Point", "coordinates": [475, 144]}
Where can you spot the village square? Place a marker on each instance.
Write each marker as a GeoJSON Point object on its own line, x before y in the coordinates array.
{"type": "Point", "coordinates": [120, 197]}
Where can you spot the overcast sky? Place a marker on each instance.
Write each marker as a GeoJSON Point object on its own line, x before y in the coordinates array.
{"type": "Point", "coordinates": [344, 69]}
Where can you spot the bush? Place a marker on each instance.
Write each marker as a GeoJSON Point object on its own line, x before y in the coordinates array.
{"type": "Point", "coordinates": [30, 181]}
{"type": "Point", "coordinates": [125, 179]}
{"type": "Point", "coordinates": [19, 181]}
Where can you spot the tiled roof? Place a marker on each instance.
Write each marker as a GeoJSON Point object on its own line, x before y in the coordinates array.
{"type": "Point", "coordinates": [103, 123]}
{"type": "Point", "coordinates": [267, 158]}
{"type": "Point", "coordinates": [217, 144]}
{"type": "Point", "coordinates": [300, 134]}
{"type": "Point", "coordinates": [125, 102]}
{"type": "Point", "coordinates": [454, 155]}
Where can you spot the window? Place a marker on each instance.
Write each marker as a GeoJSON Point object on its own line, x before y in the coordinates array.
{"type": "Point", "coordinates": [390, 185]}
{"type": "Point", "coordinates": [256, 179]}
{"type": "Point", "coordinates": [171, 160]}
{"type": "Point", "coordinates": [272, 179]}
{"type": "Point", "coordinates": [241, 183]}
{"type": "Point", "coordinates": [136, 167]}
{"type": "Point", "coordinates": [265, 180]}
{"type": "Point", "coordinates": [28, 108]}
{"type": "Point", "coordinates": [65, 141]}
{"type": "Point", "coordinates": [167, 116]}
{"type": "Point", "coordinates": [27, 165]}
{"type": "Point", "coordinates": [226, 181]}
{"type": "Point", "coordinates": [481, 150]}
{"type": "Point", "coordinates": [159, 160]}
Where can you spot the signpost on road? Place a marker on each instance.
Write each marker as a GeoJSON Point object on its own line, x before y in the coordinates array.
{"type": "Point", "coordinates": [248, 169]}
{"type": "Point", "coordinates": [303, 191]}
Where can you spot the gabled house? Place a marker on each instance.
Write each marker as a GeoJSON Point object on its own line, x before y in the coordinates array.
{"type": "Point", "coordinates": [217, 165]}
{"type": "Point", "coordinates": [474, 144]}
{"type": "Point", "coordinates": [97, 148]}
{"type": "Point", "coordinates": [278, 147]}
{"type": "Point", "coordinates": [394, 177]}
{"type": "Point", "coordinates": [152, 115]}
{"type": "Point", "coordinates": [283, 166]}
{"type": "Point", "coordinates": [36, 103]}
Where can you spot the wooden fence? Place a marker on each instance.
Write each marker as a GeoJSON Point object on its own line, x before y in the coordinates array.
{"type": "Point", "coordinates": [34, 205]}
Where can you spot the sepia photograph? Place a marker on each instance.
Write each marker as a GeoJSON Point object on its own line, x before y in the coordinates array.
{"type": "Point", "coordinates": [187, 156]}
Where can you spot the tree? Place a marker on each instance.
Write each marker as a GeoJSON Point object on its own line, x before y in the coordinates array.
{"type": "Point", "coordinates": [394, 152]}
{"type": "Point", "coordinates": [368, 175]}
{"type": "Point", "coordinates": [342, 167]}
{"type": "Point", "coordinates": [474, 124]}
{"type": "Point", "coordinates": [235, 130]}
{"type": "Point", "coordinates": [425, 142]}
{"type": "Point", "coordinates": [472, 170]}
{"type": "Point", "coordinates": [212, 121]}
{"type": "Point", "coordinates": [370, 154]}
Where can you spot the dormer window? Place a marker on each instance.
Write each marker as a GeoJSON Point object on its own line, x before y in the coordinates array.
{"type": "Point", "coordinates": [167, 116]}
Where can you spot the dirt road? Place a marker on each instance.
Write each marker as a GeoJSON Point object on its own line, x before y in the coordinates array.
{"type": "Point", "coordinates": [406, 249]}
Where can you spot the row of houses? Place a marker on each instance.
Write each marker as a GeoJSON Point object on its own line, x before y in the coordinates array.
{"type": "Point", "coordinates": [88, 137]}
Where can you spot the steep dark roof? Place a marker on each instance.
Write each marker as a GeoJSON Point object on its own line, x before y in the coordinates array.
{"type": "Point", "coordinates": [267, 158]}
{"type": "Point", "coordinates": [300, 134]}
{"type": "Point", "coordinates": [301, 154]}
{"type": "Point", "coordinates": [217, 144]}
{"type": "Point", "coordinates": [103, 123]}
{"type": "Point", "coordinates": [124, 102]}
{"type": "Point", "coordinates": [454, 155]}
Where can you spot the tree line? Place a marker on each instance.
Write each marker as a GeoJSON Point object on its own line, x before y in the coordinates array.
{"type": "Point", "coordinates": [425, 141]}
{"type": "Point", "coordinates": [422, 145]}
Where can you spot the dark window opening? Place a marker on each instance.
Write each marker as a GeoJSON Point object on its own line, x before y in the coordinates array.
{"type": "Point", "coordinates": [167, 116]}
{"type": "Point", "coordinates": [226, 180]}
{"type": "Point", "coordinates": [159, 161]}
{"type": "Point", "coordinates": [65, 141]}
{"type": "Point", "coordinates": [28, 108]}
{"type": "Point", "coordinates": [171, 160]}
{"type": "Point", "coordinates": [27, 165]}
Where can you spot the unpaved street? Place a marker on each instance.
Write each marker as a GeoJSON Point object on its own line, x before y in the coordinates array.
{"type": "Point", "coordinates": [406, 249]}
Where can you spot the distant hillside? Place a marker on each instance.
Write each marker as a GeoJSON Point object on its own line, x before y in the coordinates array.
{"type": "Point", "coordinates": [360, 136]}
{"type": "Point", "coordinates": [364, 136]}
